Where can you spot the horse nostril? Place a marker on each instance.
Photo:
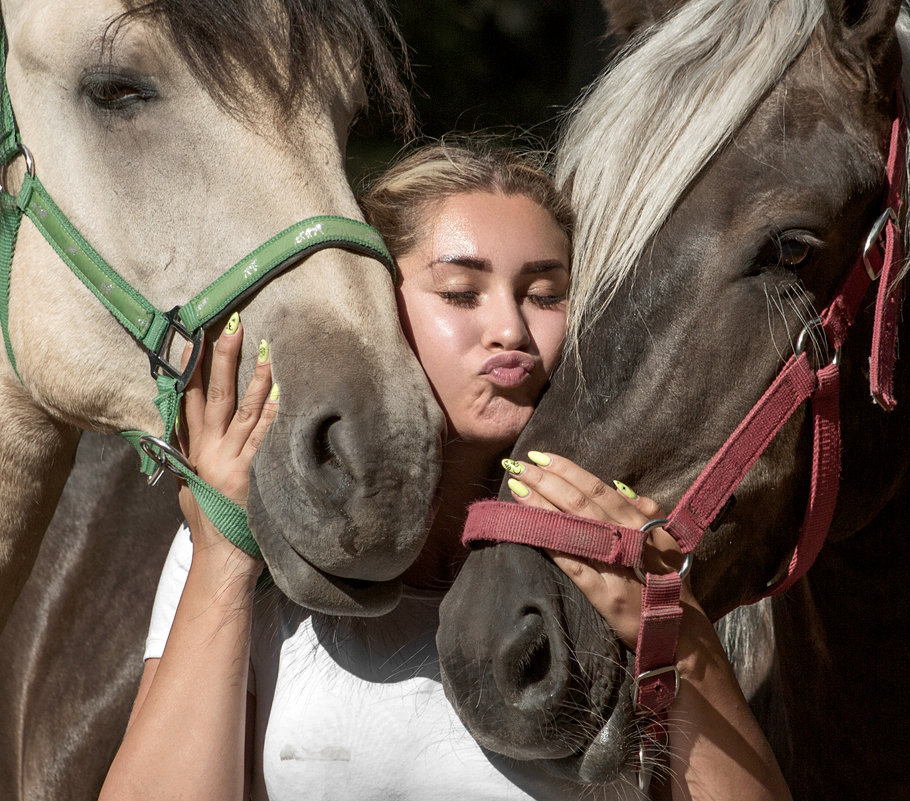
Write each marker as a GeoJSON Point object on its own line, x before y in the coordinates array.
{"type": "Point", "coordinates": [329, 456]}
{"type": "Point", "coordinates": [322, 446]}
{"type": "Point", "coordinates": [524, 667]}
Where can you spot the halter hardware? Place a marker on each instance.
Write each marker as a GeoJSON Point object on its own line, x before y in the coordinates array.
{"type": "Point", "coordinates": [683, 571]}
{"type": "Point", "coordinates": [160, 365]}
{"type": "Point", "coordinates": [154, 330]}
{"type": "Point", "coordinates": [165, 456]}
{"type": "Point", "coordinates": [875, 233]}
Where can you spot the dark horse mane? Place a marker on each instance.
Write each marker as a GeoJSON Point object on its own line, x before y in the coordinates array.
{"type": "Point", "coordinates": [214, 37]}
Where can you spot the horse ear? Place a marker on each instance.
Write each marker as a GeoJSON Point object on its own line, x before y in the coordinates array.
{"type": "Point", "coordinates": [866, 29]}
{"type": "Point", "coordinates": [627, 17]}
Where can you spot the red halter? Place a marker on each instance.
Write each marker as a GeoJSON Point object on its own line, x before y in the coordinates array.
{"type": "Point", "coordinates": [656, 683]}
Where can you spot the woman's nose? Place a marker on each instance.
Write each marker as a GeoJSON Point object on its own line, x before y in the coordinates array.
{"type": "Point", "coordinates": [506, 327]}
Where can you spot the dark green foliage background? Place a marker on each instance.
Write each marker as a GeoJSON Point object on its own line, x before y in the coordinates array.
{"type": "Point", "coordinates": [494, 65]}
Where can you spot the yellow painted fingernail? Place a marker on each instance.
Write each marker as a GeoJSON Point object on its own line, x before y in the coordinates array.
{"type": "Point", "coordinates": [263, 351]}
{"type": "Point", "coordinates": [273, 395]}
{"type": "Point", "coordinates": [233, 324]}
{"type": "Point", "coordinates": [515, 468]}
{"type": "Point", "coordinates": [518, 488]}
{"type": "Point", "coordinates": [630, 493]}
{"type": "Point", "coordinates": [539, 458]}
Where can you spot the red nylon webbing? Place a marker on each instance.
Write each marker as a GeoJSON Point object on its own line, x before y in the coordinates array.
{"type": "Point", "coordinates": [825, 477]}
{"type": "Point", "coordinates": [657, 638]}
{"type": "Point", "coordinates": [500, 521]}
{"type": "Point", "coordinates": [887, 304]}
{"type": "Point", "coordinates": [723, 474]}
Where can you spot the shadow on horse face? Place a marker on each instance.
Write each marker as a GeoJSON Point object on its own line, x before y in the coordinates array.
{"type": "Point", "coordinates": [173, 179]}
{"type": "Point", "coordinates": [694, 333]}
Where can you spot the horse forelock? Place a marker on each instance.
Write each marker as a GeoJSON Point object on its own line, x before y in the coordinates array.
{"type": "Point", "coordinates": [215, 37]}
{"type": "Point", "coordinates": [655, 118]}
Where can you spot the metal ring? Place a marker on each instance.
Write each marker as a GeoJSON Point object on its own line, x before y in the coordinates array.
{"type": "Point", "coordinates": [29, 166]}
{"type": "Point", "coordinates": [687, 559]}
{"type": "Point", "coordinates": [801, 340]}
{"type": "Point", "coordinates": [146, 441]}
{"type": "Point", "coordinates": [875, 232]}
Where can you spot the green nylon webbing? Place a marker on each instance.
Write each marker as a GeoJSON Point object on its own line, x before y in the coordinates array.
{"type": "Point", "coordinates": [226, 515]}
{"type": "Point", "coordinates": [10, 218]}
{"type": "Point", "coordinates": [9, 141]}
{"type": "Point", "coordinates": [293, 243]}
{"type": "Point", "coordinates": [133, 312]}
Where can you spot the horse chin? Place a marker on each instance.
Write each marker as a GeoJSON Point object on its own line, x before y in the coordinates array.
{"type": "Point", "coordinates": [315, 589]}
{"type": "Point", "coordinates": [606, 758]}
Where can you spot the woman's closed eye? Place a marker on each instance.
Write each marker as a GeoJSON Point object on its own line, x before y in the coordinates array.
{"type": "Point", "coordinates": [467, 298]}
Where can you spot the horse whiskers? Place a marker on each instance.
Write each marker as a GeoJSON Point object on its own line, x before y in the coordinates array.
{"type": "Point", "coordinates": [792, 297]}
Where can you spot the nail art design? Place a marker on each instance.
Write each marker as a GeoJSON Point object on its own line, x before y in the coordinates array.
{"type": "Point", "coordinates": [630, 493]}
{"type": "Point", "coordinates": [539, 458]}
{"type": "Point", "coordinates": [518, 488]}
{"type": "Point", "coordinates": [263, 351]}
{"type": "Point", "coordinates": [273, 395]}
{"type": "Point", "coordinates": [233, 324]}
{"type": "Point", "coordinates": [515, 468]}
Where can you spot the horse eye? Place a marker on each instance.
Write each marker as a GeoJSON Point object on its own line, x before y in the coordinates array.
{"type": "Point", "coordinates": [794, 253]}
{"type": "Point", "coordinates": [116, 93]}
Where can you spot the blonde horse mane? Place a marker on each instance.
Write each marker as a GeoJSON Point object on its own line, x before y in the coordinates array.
{"type": "Point", "coordinates": [649, 125]}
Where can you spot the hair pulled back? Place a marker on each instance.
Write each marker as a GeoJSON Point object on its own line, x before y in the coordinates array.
{"type": "Point", "coordinates": [400, 201]}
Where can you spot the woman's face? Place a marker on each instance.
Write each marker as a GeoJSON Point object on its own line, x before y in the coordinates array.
{"type": "Point", "coordinates": [482, 301]}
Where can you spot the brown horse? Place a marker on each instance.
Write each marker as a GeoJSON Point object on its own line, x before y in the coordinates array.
{"type": "Point", "coordinates": [726, 173]}
{"type": "Point", "coordinates": [177, 138]}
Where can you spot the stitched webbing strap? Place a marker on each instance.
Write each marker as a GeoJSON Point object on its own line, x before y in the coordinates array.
{"type": "Point", "coordinates": [228, 517]}
{"type": "Point", "coordinates": [502, 521]}
{"type": "Point", "coordinates": [277, 254]}
{"type": "Point", "coordinates": [10, 220]}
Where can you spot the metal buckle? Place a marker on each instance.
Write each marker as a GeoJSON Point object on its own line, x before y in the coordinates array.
{"type": "Point", "coordinates": [877, 227]}
{"type": "Point", "coordinates": [687, 559]}
{"type": "Point", "coordinates": [160, 365]}
{"type": "Point", "coordinates": [148, 443]}
{"type": "Point", "coordinates": [803, 338]}
{"type": "Point", "coordinates": [650, 674]}
{"type": "Point", "coordinates": [29, 167]}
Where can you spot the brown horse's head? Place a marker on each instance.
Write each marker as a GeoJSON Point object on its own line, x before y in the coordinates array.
{"type": "Point", "coordinates": [725, 172]}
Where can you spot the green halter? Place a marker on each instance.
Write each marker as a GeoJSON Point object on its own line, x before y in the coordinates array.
{"type": "Point", "coordinates": [152, 328]}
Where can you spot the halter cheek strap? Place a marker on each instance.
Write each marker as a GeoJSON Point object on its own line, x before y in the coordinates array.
{"type": "Point", "coordinates": [152, 328]}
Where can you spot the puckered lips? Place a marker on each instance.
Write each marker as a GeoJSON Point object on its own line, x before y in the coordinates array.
{"type": "Point", "coordinates": [509, 369]}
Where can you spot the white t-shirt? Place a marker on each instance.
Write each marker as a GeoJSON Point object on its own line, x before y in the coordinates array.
{"type": "Point", "coordinates": [352, 709]}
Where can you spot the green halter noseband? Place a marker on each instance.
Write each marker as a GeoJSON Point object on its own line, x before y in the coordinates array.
{"type": "Point", "coordinates": [152, 328]}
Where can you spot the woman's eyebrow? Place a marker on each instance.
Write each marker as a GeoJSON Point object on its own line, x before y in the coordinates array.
{"type": "Point", "coordinates": [470, 262]}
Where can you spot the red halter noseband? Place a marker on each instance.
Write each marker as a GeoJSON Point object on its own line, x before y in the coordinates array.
{"type": "Point", "coordinates": [656, 682]}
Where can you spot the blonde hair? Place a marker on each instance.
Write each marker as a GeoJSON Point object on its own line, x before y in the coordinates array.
{"type": "Point", "coordinates": [399, 202]}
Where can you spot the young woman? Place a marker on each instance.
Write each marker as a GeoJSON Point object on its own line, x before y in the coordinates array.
{"type": "Point", "coordinates": [264, 699]}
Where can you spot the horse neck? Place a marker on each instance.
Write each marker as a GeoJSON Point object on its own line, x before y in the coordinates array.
{"type": "Point", "coordinates": [36, 454]}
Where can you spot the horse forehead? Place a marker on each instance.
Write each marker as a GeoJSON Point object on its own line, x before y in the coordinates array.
{"type": "Point", "coordinates": [47, 34]}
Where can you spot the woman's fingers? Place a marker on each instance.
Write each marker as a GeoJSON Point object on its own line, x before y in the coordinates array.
{"type": "Point", "coordinates": [268, 413]}
{"type": "Point", "coordinates": [250, 410]}
{"type": "Point", "coordinates": [222, 390]}
{"type": "Point", "coordinates": [612, 591]}
{"type": "Point", "coordinates": [571, 489]}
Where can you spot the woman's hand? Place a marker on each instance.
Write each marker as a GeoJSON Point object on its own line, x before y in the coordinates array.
{"type": "Point", "coordinates": [220, 437]}
{"type": "Point", "coordinates": [553, 482]}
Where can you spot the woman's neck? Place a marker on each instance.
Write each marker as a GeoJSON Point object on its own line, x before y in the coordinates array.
{"type": "Point", "coordinates": [469, 473]}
